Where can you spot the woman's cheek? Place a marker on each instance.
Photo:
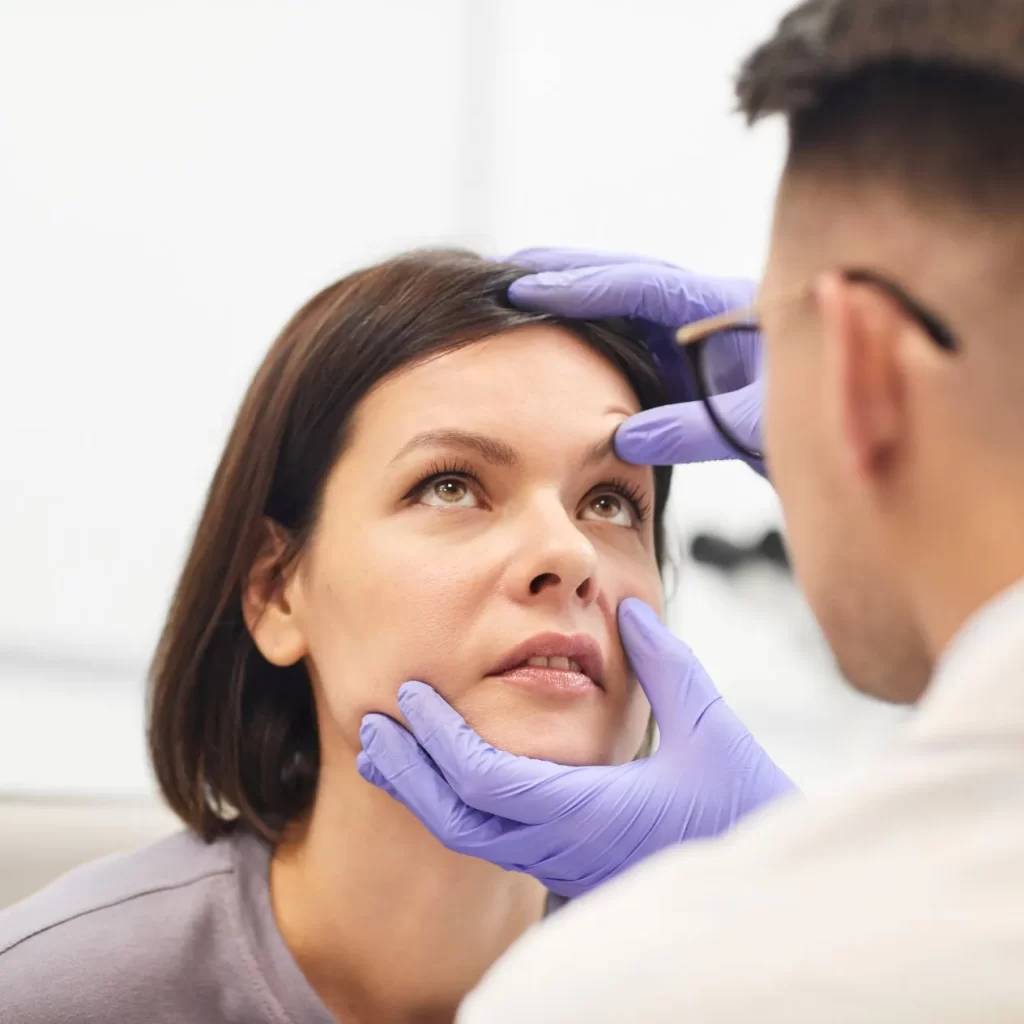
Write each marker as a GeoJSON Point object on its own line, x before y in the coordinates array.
{"type": "Point", "coordinates": [408, 619]}
{"type": "Point", "coordinates": [631, 575]}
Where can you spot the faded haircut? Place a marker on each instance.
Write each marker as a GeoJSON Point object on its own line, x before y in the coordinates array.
{"type": "Point", "coordinates": [923, 95]}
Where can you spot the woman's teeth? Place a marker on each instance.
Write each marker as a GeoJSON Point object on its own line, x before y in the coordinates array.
{"type": "Point", "coordinates": [566, 664]}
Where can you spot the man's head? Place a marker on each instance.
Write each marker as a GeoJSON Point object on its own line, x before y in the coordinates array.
{"type": "Point", "coordinates": [900, 465]}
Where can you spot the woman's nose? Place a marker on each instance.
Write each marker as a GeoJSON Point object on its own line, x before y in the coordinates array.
{"type": "Point", "coordinates": [558, 561]}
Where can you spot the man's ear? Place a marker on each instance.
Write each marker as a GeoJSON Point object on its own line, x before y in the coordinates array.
{"type": "Point", "coordinates": [861, 330]}
{"type": "Point", "coordinates": [268, 604]}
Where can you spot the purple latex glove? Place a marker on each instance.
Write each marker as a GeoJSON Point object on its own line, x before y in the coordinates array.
{"type": "Point", "coordinates": [660, 298]}
{"type": "Point", "coordinates": [574, 827]}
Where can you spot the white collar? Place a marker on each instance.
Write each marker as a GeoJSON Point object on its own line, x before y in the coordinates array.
{"type": "Point", "coordinates": [977, 690]}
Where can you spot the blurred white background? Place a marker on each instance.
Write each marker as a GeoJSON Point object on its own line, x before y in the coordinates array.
{"type": "Point", "coordinates": [176, 178]}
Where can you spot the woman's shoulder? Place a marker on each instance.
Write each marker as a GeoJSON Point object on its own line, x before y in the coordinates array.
{"type": "Point", "coordinates": [111, 888]}
{"type": "Point", "coordinates": [117, 938]}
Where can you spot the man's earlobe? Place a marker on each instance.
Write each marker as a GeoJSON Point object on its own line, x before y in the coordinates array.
{"type": "Point", "coordinates": [268, 606]}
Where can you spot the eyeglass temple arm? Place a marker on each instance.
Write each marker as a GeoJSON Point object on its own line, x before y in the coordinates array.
{"type": "Point", "coordinates": [937, 329]}
{"type": "Point", "coordinates": [689, 334]}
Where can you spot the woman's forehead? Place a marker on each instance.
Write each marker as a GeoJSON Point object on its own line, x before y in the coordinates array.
{"type": "Point", "coordinates": [543, 366]}
{"type": "Point", "coordinates": [541, 391]}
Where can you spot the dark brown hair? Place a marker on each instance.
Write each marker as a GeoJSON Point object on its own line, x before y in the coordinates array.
{"type": "Point", "coordinates": [229, 732]}
{"type": "Point", "coordinates": [925, 94]}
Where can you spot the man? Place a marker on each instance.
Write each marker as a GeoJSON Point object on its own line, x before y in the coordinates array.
{"type": "Point", "coordinates": [894, 428]}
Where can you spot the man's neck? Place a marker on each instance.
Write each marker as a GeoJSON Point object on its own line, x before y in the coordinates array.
{"type": "Point", "coordinates": [387, 925]}
{"type": "Point", "coordinates": [966, 561]}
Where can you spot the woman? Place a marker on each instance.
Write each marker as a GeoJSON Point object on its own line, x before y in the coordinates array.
{"type": "Point", "coordinates": [420, 484]}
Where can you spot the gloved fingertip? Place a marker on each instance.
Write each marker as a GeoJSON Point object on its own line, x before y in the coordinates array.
{"type": "Point", "coordinates": [643, 633]}
{"type": "Point", "coordinates": [551, 278]}
{"type": "Point", "coordinates": [374, 776]}
{"type": "Point", "coordinates": [639, 423]}
{"type": "Point", "coordinates": [633, 437]}
{"type": "Point", "coordinates": [633, 453]}
{"type": "Point", "coordinates": [652, 435]}
{"type": "Point", "coordinates": [411, 691]}
{"type": "Point", "coordinates": [671, 435]}
{"type": "Point", "coordinates": [527, 288]}
{"type": "Point", "coordinates": [420, 702]}
{"type": "Point", "coordinates": [370, 728]}
{"type": "Point", "coordinates": [637, 613]}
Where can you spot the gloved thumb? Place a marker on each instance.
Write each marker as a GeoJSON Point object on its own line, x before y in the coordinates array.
{"type": "Point", "coordinates": [676, 684]}
{"type": "Point", "coordinates": [683, 433]}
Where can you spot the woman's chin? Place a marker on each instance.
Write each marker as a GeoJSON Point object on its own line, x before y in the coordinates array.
{"type": "Point", "coordinates": [573, 732]}
{"type": "Point", "coordinates": [564, 739]}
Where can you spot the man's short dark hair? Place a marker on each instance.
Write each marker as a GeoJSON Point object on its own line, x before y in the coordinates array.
{"type": "Point", "coordinates": [923, 94]}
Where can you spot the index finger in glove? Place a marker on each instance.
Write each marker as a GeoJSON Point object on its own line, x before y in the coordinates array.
{"type": "Point", "coordinates": [671, 435]}
{"type": "Point", "coordinates": [638, 290]}
{"type": "Point", "coordinates": [658, 293]}
{"type": "Point", "coordinates": [523, 789]}
{"type": "Point", "coordinates": [677, 686]}
{"type": "Point", "coordinates": [392, 760]}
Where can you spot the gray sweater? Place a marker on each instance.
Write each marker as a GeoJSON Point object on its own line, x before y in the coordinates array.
{"type": "Point", "coordinates": [179, 932]}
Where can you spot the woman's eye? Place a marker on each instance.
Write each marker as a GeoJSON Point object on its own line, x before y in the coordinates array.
{"type": "Point", "coordinates": [610, 508]}
{"type": "Point", "coordinates": [448, 492]}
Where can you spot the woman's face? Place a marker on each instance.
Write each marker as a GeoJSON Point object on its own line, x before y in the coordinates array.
{"type": "Point", "coordinates": [478, 518]}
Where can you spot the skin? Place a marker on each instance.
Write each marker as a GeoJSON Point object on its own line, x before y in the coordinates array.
{"type": "Point", "coordinates": [899, 467]}
{"type": "Point", "coordinates": [520, 535]}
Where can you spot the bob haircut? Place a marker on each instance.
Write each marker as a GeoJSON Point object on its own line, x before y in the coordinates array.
{"type": "Point", "coordinates": [231, 737]}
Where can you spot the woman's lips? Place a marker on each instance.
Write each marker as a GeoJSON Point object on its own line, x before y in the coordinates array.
{"type": "Point", "coordinates": [552, 681]}
{"type": "Point", "coordinates": [554, 663]}
{"type": "Point", "coordinates": [580, 648]}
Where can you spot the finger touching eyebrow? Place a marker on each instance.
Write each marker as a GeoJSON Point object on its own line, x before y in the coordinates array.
{"type": "Point", "coordinates": [496, 452]}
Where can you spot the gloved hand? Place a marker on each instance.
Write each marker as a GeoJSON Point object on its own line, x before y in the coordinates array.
{"type": "Point", "coordinates": [574, 827]}
{"type": "Point", "coordinates": [661, 298]}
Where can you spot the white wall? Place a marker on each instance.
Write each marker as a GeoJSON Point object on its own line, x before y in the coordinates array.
{"type": "Point", "coordinates": [176, 177]}
{"type": "Point", "coordinates": [617, 129]}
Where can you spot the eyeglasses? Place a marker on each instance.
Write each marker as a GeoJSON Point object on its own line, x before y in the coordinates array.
{"type": "Point", "coordinates": [695, 338]}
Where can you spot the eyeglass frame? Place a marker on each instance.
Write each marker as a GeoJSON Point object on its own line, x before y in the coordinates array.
{"type": "Point", "coordinates": [692, 339]}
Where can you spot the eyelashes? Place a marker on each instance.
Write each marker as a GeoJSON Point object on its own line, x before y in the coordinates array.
{"type": "Point", "coordinates": [632, 492]}
{"type": "Point", "coordinates": [628, 490]}
{"type": "Point", "coordinates": [438, 471]}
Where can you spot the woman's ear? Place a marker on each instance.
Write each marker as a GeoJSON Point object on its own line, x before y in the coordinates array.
{"type": "Point", "coordinates": [268, 605]}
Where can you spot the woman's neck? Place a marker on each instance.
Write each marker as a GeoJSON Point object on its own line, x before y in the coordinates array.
{"type": "Point", "coordinates": [388, 925]}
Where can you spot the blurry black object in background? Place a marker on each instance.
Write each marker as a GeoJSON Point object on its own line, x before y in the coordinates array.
{"type": "Point", "coordinates": [719, 553]}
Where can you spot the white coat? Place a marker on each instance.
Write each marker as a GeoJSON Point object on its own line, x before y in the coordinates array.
{"type": "Point", "coordinates": [898, 899]}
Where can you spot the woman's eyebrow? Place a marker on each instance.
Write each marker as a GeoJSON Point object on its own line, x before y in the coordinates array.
{"type": "Point", "coordinates": [495, 451]}
{"type": "Point", "coordinates": [499, 453]}
{"type": "Point", "coordinates": [599, 451]}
